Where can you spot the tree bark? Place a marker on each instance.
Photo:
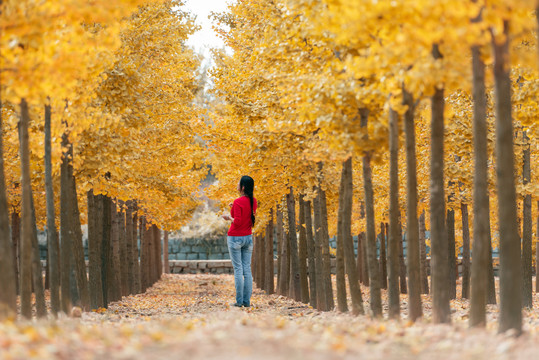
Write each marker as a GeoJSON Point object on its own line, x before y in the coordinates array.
{"type": "Point", "coordinates": [304, 282]}
{"type": "Point", "coordinates": [135, 248]}
{"type": "Point", "coordinates": [311, 252]}
{"type": "Point", "coordinates": [279, 234]}
{"type": "Point", "coordinates": [359, 259]}
{"type": "Point", "coordinates": [320, 283]}
{"type": "Point", "coordinates": [261, 240]}
{"type": "Point", "coordinates": [130, 243]}
{"type": "Point", "coordinates": [510, 264]}
{"type": "Point", "coordinates": [439, 264]}
{"type": "Point", "coordinates": [106, 248]}
{"type": "Point", "coordinates": [123, 252]}
{"type": "Point", "coordinates": [412, 226]}
{"type": "Point", "coordinates": [374, 276]}
{"type": "Point", "coordinates": [450, 225]}
{"type": "Point", "coordinates": [326, 260]}
{"type": "Point", "coordinates": [465, 251]}
{"type": "Point", "coordinates": [37, 269]}
{"type": "Point", "coordinates": [383, 256]}
{"type": "Point", "coordinates": [351, 270]}
{"type": "Point", "coordinates": [95, 208]}
{"type": "Point", "coordinates": [527, 287]}
{"type": "Point", "coordinates": [158, 265]}
{"type": "Point", "coordinates": [342, 304]}
{"type": "Point", "coordinates": [16, 241]}
{"type": "Point", "coordinates": [402, 262]}
{"type": "Point", "coordinates": [537, 251]}
{"type": "Point", "coordinates": [8, 266]}
{"type": "Point", "coordinates": [295, 286]}
{"type": "Point", "coordinates": [166, 267]}
{"type": "Point", "coordinates": [268, 251]}
{"type": "Point", "coordinates": [52, 234]}
{"type": "Point", "coordinates": [423, 251]}
{"type": "Point", "coordinates": [115, 291]}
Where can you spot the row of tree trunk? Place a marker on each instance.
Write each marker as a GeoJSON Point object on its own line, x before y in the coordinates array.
{"type": "Point", "coordinates": [114, 269]}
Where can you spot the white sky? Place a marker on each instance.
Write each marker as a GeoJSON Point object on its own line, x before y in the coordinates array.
{"type": "Point", "coordinates": [205, 38]}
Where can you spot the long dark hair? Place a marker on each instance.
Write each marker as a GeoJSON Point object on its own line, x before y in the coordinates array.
{"type": "Point", "coordinates": [247, 184]}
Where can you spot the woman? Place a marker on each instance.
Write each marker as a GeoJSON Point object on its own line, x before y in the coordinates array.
{"type": "Point", "coordinates": [240, 240]}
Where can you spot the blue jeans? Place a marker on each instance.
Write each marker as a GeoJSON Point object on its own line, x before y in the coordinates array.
{"type": "Point", "coordinates": [241, 249]}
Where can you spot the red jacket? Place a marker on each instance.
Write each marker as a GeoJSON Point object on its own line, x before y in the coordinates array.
{"type": "Point", "coordinates": [241, 213]}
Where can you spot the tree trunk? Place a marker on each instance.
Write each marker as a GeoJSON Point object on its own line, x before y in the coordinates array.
{"type": "Point", "coordinates": [78, 249]}
{"type": "Point", "coordinates": [279, 234]}
{"type": "Point", "coordinates": [166, 267]}
{"type": "Point", "coordinates": [510, 264]}
{"type": "Point", "coordinates": [261, 240]}
{"type": "Point", "coordinates": [439, 264]}
{"type": "Point", "coordinates": [158, 263]}
{"type": "Point", "coordinates": [268, 251]}
{"type": "Point", "coordinates": [359, 259]}
{"type": "Point", "coordinates": [364, 262]}
{"type": "Point", "coordinates": [383, 256]}
{"type": "Point", "coordinates": [412, 225]}
{"type": "Point", "coordinates": [351, 271]}
{"type": "Point", "coordinates": [144, 280]}
{"type": "Point", "coordinates": [37, 269]}
{"type": "Point", "coordinates": [16, 241]}
{"type": "Point", "coordinates": [115, 291]}
{"type": "Point", "coordinates": [374, 276]}
{"type": "Point", "coordinates": [104, 221]}
{"type": "Point", "coordinates": [311, 252]}
{"type": "Point", "coordinates": [28, 261]}
{"type": "Point", "coordinates": [402, 262]}
{"type": "Point", "coordinates": [320, 283]}
{"type": "Point", "coordinates": [52, 234]}
{"type": "Point", "coordinates": [95, 209]}
{"type": "Point", "coordinates": [537, 250]}
{"type": "Point", "coordinates": [527, 289]}
{"type": "Point", "coordinates": [135, 250]}
{"type": "Point", "coordinates": [450, 224]}
{"type": "Point", "coordinates": [325, 251]}
{"type": "Point", "coordinates": [342, 304]}
{"type": "Point", "coordinates": [123, 252]}
{"type": "Point", "coordinates": [423, 251]}
{"type": "Point", "coordinates": [465, 251]}
{"type": "Point", "coordinates": [304, 282]}
{"type": "Point", "coordinates": [8, 273]}
{"type": "Point", "coordinates": [295, 286]}
{"type": "Point", "coordinates": [130, 243]}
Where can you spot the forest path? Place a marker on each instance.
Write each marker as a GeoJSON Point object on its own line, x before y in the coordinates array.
{"type": "Point", "coordinates": [190, 317]}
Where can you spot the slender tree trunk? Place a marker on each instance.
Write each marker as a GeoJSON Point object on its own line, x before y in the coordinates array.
{"type": "Point", "coordinates": [279, 234]}
{"type": "Point", "coordinates": [78, 249]}
{"type": "Point", "coordinates": [527, 292]}
{"type": "Point", "coordinates": [123, 253]}
{"type": "Point", "coordinates": [359, 259]}
{"type": "Point", "coordinates": [8, 273]}
{"type": "Point", "coordinates": [450, 225]}
{"type": "Point", "coordinates": [374, 276]}
{"type": "Point", "coordinates": [270, 286]}
{"type": "Point", "coordinates": [52, 234]}
{"type": "Point", "coordinates": [351, 270]}
{"type": "Point", "coordinates": [326, 261]}
{"type": "Point", "coordinates": [158, 253]}
{"type": "Point", "coordinates": [27, 223]}
{"type": "Point", "coordinates": [144, 281]}
{"type": "Point", "coordinates": [320, 283]}
{"type": "Point", "coordinates": [465, 251]}
{"type": "Point", "coordinates": [439, 264]}
{"type": "Point", "coordinates": [295, 286]}
{"type": "Point", "coordinates": [37, 269]}
{"type": "Point", "coordinates": [104, 221]}
{"type": "Point", "coordinates": [95, 208]}
{"type": "Point", "coordinates": [16, 241]}
{"type": "Point", "coordinates": [402, 262]}
{"type": "Point", "coordinates": [135, 250]}
{"type": "Point", "coordinates": [311, 252]}
{"type": "Point", "coordinates": [115, 291]}
{"type": "Point", "coordinates": [423, 251]}
{"type": "Point", "coordinates": [304, 282]}
{"type": "Point", "coordinates": [412, 225]}
{"type": "Point", "coordinates": [364, 262]}
{"type": "Point", "coordinates": [130, 243]}
{"type": "Point", "coordinates": [510, 264]}
{"type": "Point", "coordinates": [166, 267]}
{"type": "Point", "coordinates": [383, 256]}
{"type": "Point", "coordinates": [342, 304]}
{"type": "Point", "coordinates": [261, 261]}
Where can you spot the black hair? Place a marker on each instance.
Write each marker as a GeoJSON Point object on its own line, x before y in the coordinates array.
{"type": "Point", "coordinates": [247, 184]}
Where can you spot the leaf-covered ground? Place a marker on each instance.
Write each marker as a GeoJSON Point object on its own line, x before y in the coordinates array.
{"type": "Point", "coordinates": [189, 316]}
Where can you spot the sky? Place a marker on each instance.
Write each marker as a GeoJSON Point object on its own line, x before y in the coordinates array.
{"type": "Point", "coordinates": [205, 38]}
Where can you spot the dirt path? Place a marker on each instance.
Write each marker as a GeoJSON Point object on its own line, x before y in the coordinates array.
{"type": "Point", "coordinates": [189, 317]}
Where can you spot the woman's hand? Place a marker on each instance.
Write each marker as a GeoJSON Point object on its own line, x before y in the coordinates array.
{"type": "Point", "coordinates": [230, 205]}
{"type": "Point", "coordinates": [227, 217]}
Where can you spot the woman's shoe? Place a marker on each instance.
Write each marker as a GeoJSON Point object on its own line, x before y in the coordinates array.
{"type": "Point", "coordinates": [236, 305]}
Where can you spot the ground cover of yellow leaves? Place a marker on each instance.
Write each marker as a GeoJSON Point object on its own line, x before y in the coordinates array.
{"type": "Point", "coordinates": [189, 316]}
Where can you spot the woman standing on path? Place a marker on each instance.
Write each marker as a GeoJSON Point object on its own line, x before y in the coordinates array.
{"type": "Point", "coordinates": [240, 240]}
